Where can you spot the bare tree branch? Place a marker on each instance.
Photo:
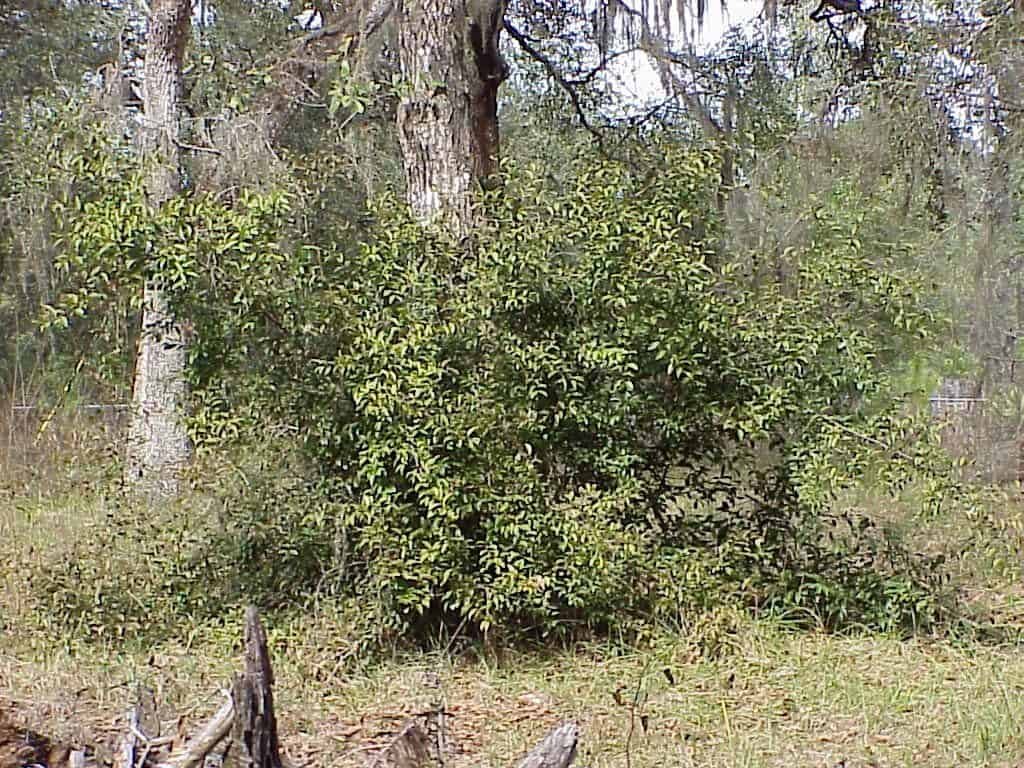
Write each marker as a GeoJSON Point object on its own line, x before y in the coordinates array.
{"type": "Point", "coordinates": [557, 76]}
{"type": "Point", "coordinates": [655, 47]}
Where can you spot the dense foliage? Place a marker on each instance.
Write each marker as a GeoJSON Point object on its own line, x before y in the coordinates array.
{"type": "Point", "coordinates": [579, 417]}
{"type": "Point", "coordinates": [644, 386]}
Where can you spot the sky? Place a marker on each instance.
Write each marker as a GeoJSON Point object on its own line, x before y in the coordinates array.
{"type": "Point", "coordinates": [634, 77]}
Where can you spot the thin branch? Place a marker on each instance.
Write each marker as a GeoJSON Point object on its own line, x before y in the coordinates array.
{"type": "Point", "coordinates": [655, 47]}
{"type": "Point", "coordinates": [635, 122]}
{"type": "Point", "coordinates": [871, 440]}
{"type": "Point", "coordinates": [307, 59]}
{"type": "Point", "coordinates": [634, 705]}
{"type": "Point", "coordinates": [557, 76]}
{"type": "Point", "coordinates": [196, 148]}
{"type": "Point", "coordinates": [587, 77]}
{"type": "Point", "coordinates": [375, 16]}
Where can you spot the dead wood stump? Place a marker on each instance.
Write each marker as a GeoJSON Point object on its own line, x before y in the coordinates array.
{"type": "Point", "coordinates": [254, 741]}
{"type": "Point", "coordinates": [409, 749]}
{"type": "Point", "coordinates": [244, 731]}
{"type": "Point", "coordinates": [557, 750]}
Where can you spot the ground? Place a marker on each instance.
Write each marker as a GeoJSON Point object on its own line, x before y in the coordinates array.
{"type": "Point", "coordinates": [731, 691]}
{"type": "Point", "coordinates": [771, 698]}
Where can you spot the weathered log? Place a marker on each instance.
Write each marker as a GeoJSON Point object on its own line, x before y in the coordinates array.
{"type": "Point", "coordinates": [409, 749]}
{"type": "Point", "coordinates": [557, 750]}
{"type": "Point", "coordinates": [196, 749]}
{"type": "Point", "coordinates": [254, 741]}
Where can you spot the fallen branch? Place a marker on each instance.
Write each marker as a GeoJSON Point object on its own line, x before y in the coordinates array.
{"type": "Point", "coordinates": [200, 745]}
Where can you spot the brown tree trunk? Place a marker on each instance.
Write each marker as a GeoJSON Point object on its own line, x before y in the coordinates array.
{"type": "Point", "coordinates": [158, 445]}
{"type": "Point", "coordinates": [448, 121]}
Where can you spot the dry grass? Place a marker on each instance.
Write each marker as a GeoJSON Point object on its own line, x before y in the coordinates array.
{"type": "Point", "coordinates": [772, 698]}
{"type": "Point", "coordinates": [734, 692]}
{"type": "Point", "coordinates": [44, 451]}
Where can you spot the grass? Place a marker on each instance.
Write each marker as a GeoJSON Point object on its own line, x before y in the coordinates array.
{"type": "Point", "coordinates": [734, 691]}
{"type": "Point", "coordinates": [772, 698]}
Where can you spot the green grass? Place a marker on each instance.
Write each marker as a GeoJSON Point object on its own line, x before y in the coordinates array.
{"type": "Point", "coordinates": [738, 691]}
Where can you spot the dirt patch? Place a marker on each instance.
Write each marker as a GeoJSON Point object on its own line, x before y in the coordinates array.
{"type": "Point", "coordinates": [21, 746]}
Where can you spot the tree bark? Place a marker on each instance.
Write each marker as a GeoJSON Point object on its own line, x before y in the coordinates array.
{"type": "Point", "coordinates": [158, 445]}
{"type": "Point", "coordinates": [448, 121]}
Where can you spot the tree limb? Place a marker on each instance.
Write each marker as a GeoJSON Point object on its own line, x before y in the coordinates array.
{"type": "Point", "coordinates": [557, 76]}
{"type": "Point", "coordinates": [192, 754]}
{"type": "Point", "coordinates": [305, 62]}
{"type": "Point", "coordinates": [375, 16]}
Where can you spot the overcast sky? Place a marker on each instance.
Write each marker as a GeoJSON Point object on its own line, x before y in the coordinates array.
{"type": "Point", "coordinates": [635, 79]}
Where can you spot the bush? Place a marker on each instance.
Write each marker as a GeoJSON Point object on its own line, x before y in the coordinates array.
{"type": "Point", "coordinates": [254, 534]}
{"type": "Point", "coordinates": [581, 416]}
{"type": "Point", "coordinates": [132, 573]}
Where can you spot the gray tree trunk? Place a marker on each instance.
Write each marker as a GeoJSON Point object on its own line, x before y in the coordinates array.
{"type": "Point", "coordinates": [448, 121]}
{"type": "Point", "coordinates": [158, 445]}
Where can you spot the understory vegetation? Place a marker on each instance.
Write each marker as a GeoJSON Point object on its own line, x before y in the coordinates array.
{"type": "Point", "coordinates": [723, 689]}
{"type": "Point", "coordinates": [585, 418]}
{"type": "Point", "coordinates": [697, 418]}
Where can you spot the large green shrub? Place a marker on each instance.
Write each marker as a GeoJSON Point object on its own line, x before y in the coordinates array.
{"type": "Point", "coordinates": [570, 417]}
{"type": "Point", "coordinates": [532, 426]}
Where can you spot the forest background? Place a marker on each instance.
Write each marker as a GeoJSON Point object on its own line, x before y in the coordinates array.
{"type": "Point", "coordinates": [693, 405]}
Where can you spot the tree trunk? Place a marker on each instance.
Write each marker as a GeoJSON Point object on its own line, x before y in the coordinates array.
{"type": "Point", "coordinates": [448, 121]}
{"type": "Point", "coordinates": [158, 445]}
